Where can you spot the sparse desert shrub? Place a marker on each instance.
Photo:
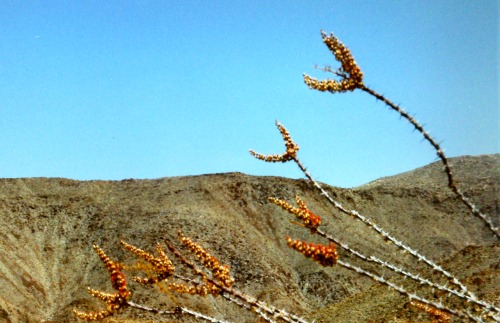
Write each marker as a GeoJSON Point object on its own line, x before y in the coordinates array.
{"type": "Point", "coordinates": [215, 279]}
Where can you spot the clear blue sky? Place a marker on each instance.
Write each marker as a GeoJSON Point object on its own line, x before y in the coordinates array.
{"type": "Point", "coordinates": [149, 89]}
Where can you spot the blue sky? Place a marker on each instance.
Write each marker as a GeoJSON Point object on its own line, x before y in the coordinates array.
{"type": "Point", "coordinates": [149, 89]}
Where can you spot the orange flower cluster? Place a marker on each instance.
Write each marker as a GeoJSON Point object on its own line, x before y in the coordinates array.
{"type": "Point", "coordinates": [325, 255]}
{"type": "Point", "coordinates": [114, 301]}
{"type": "Point", "coordinates": [352, 76]}
{"type": "Point", "coordinates": [439, 315]}
{"type": "Point", "coordinates": [310, 220]}
{"type": "Point", "coordinates": [200, 289]}
{"type": "Point", "coordinates": [289, 154]}
{"type": "Point", "coordinates": [161, 264]}
{"type": "Point", "coordinates": [220, 272]}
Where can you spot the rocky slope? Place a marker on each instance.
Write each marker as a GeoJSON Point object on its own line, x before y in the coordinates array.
{"type": "Point", "coordinates": [48, 225]}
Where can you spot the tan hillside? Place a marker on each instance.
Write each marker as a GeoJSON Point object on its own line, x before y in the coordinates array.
{"type": "Point", "coordinates": [48, 226]}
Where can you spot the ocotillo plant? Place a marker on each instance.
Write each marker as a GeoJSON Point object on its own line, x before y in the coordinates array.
{"type": "Point", "coordinates": [214, 278]}
{"type": "Point", "coordinates": [351, 78]}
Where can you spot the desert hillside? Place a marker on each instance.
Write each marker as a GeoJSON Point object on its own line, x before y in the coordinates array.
{"type": "Point", "coordinates": [48, 226]}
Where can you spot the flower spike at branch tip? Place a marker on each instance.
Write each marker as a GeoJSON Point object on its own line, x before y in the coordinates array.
{"type": "Point", "coordinates": [351, 76]}
{"type": "Point", "coordinates": [290, 152]}
{"type": "Point", "coordinates": [220, 272]}
{"type": "Point", "coordinates": [439, 315]}
{"type": "Point", "coordinates": [161, 264]}
{"type": "Point", "coordinates": [114, 301]}
{"type": "Point", "coordinates": [309, 219]}
{"type": "Point", "coordinates": [325, 255]}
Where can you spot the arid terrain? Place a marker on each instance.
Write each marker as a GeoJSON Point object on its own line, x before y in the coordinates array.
{"type": "Point", "coordinates": [48, 226]}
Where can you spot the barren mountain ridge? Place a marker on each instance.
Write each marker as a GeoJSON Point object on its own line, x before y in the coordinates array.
{"type": "Point", "coordinates": [48, 226]}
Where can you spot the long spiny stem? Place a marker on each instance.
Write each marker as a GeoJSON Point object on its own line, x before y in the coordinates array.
{"type": "Point", "coordinates": [406, 273]}
{"type": "Point", "coordinates": [439, 151]}
{"type": "Point", "coordinates": [377, 229]}
{"type": "Point", "coordinates": [177, 311]}
{"type": "Point", "coordinates": [403, 291]}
